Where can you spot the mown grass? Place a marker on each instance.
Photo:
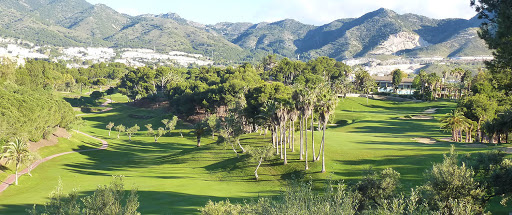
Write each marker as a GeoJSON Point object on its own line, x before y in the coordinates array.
{"type": "Point", "coordinates": [175, 177]}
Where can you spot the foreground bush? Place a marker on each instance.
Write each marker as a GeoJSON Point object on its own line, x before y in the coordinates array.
{"type": "Point", "coordinates": [107, 199]}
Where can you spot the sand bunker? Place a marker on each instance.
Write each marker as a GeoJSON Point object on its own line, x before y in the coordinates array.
{"type": "Point", "coordinates": [423, 140]}
{"type": "Point", "coordinates": [430, 111]}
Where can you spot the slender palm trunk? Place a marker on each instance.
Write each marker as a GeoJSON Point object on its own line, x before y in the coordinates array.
{"type": "Point", "coordinates": [313, 136]}
{"type": "Point", "coordinates": [306, 141]}
{"type": "Point", "coordinates": [198, 141]}
{"type": "Point", "coordinates": [293, 136]}
{"type": "Point", "coordinates": [117, 135]}
{"type": "Point", "coordinates": [301, 138]}
{"type": "Point", "coordinates": [285, 140]}
{"type": "Point", "coordinates": [16, 176]}
{"type": "Point", "coordinates": [130, 137]}
{"type": "Point", "coordinates": [109, 132]}
{"type": "Point", "coordinates": [274, 137]}
{"type": "Point", "coordinates": [323, 149]}
{"type": "Point", "coordinates": [278, 139]}
{"type": "Point", "coordinates": [290, 135]}
{"type": "Point", "coordinates": [283, 135]}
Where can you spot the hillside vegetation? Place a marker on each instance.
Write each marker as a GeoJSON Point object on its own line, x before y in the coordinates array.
{"type": "Point", "coordinates": [83, 24]}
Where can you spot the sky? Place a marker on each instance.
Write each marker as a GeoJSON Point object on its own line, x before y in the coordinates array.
{"type": "Point", "coordinates": [316, 12]}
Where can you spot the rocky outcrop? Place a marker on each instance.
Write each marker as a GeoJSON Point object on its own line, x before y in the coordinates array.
{"type": "Point", "coordinates": [399, 42]}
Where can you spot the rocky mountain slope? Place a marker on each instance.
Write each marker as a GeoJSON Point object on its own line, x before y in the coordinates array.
{"type": "Point", "coordinates": [66, 23]}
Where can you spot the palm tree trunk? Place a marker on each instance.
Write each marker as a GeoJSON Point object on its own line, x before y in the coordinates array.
{"type": "Point", "coordinates": [198, 141]}
{"type": "Point", "coordinates": [293, 136]}
{"type": "Point", "coordinates": [313, 136]}
{"type": "Point", "coordinates": [285, 140]}
{"type": "Point", "coordinates": [278, 137]}
{"type": "Point", "coordinates": [290, 136]}
{"type": "Point", "coordinates": [301, 138]}
{"type": "Point", "coordinates": [323, 150]}
{"type": "Point", "coordinates": [274, 137]}
{"type": "Point", "coordinates": [110, 130]}
{"type": "Point", "coordinates": [16, 174]}
{"type": "Point", "coordinates": [306, 142]}
{"type": "Point", "coordinates": [283, 136]}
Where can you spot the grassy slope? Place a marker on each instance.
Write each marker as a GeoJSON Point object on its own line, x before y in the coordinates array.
{"type": "Point", "coordinates": [173, 176]}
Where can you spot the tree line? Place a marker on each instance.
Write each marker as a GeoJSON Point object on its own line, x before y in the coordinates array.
{"type": "Point", "coordinates": [484, 114]}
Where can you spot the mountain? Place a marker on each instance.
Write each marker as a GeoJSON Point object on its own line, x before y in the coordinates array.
{"type": "Point", "coordinates": [66, 23]}
{"type": "Point", "coordinates": [97, 21]}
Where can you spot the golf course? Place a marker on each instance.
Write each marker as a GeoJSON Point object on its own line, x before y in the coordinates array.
{"type": "Point", "coordinates": [173, 176]}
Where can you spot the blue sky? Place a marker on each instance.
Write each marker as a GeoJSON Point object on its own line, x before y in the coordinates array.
{"type": "Point", "coordinates": [315, 12]}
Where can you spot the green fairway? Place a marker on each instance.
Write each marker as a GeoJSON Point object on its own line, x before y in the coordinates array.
{"type": "Point", "coordinates": [173, 176]}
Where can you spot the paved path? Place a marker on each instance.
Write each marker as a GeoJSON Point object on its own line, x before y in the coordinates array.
{"type": "Point", "coordinates": [11, 179]}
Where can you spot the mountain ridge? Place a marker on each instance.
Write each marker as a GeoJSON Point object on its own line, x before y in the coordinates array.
{"type": "Point", "coordinates": [66, 23]}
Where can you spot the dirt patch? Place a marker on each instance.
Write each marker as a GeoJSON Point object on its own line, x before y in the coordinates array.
{"type": "Point", "coordinates": [423, 140]}
{"type": "Point", "coordinates": [447, 139]}
{"type": "Point", "coordinates": [52, 140]}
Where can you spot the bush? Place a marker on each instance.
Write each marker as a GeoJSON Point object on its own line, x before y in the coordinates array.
{"type": "Point", "coordinates": [108, 199]}
{"type": "Point", "coordinates": [96, 95]}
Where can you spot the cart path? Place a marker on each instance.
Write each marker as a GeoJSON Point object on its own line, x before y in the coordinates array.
{"type": "Point", "coordinates": [11, 178]}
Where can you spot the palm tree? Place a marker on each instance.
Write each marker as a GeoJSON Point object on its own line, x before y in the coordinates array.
{"type": "Point", "coordinates": [199, 130]}
{"type": "Point", "coordinates": [282, 113]}
{"type": "Point", "coordinates": [109, 127]}
{"type": "Point", "coordinates": [131, 131]}
{"type": "Point", "coordinates": [299, 99]}
{"type": "Point", "coordinates": [309, 104]}
{"type": "Point", "coordinates": [455, 122]}
{"type": "Point", "coordinates": [327, 101]}
{"type": "Point", "coordinates": [120, 129]}
{"type": "Point", "coordinates": [18, 153]}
